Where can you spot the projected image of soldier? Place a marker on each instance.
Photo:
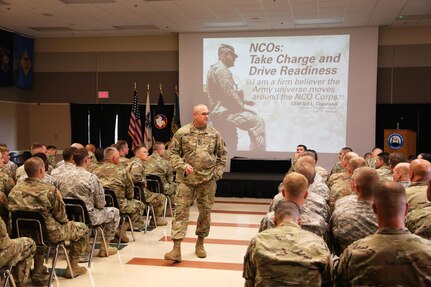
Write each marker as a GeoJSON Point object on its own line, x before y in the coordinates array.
{"type": "Point", "coordinates": [227, 103]}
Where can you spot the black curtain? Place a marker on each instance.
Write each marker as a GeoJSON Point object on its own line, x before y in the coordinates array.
{"type": "Point", "coordinates": [107, 125]}
{"type": "Point", "coordinates": [79, 122]}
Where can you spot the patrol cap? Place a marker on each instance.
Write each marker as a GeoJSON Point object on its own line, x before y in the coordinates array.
{"type": "Point", "coordinates": [224, 48]}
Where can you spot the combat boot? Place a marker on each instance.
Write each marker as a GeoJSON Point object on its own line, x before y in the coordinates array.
{"type": "Point", "coordinates": [160, 221]}
{"type": "Point", "coordinates": [124, 237]}
{"type": "Point", "coordinates": [175, 254]}
{"type": "Point", "coordinates": [199, 249]}
{"type": "Point", "coordinates": [40, 274]}
{"type": "Point", "coordinates": [111, 250]}
{"type": "Point", "coordinates": [77, 270]}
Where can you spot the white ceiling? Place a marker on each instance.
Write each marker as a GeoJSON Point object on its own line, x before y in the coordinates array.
{"type": "Point", "coordinates": [84, 18]}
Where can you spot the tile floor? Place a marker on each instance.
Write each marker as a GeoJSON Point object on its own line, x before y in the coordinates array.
{"type": "Point", "coordinates": [234, 222]}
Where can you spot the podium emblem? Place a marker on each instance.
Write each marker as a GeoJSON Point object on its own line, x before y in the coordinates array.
{"type": "Point", "coordinates": [395, 141]}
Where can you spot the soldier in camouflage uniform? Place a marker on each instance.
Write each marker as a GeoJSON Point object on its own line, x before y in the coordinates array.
{"type": "Point", "coordinates": [17, 253]}
{"type": "Point", "coordinates": [35, 195]}
{"type": "Point", "coordinates": [420, 173]}
{"type": "Point", "coordinates": [123, 148]}
{"type": "Point", "coordinates": [98, 155]}
{"type": "Point", "coordinates": [392, 256]}
{"type": "Point", "coordinates": [7, 166]}
{"type": "Point", "coordinates": [157, 164]}
{"type": "Point", "coordinates": [382, 166]}
{"type": "Point", "coordinates": [401, 174]}
{"type": "Point", "coordinates": [51, 152]}
{"type": "Point", "coordinates": [337, 167]}
{"type": "Point", "coordinates": [371, 162]}
{"type": "Point", "coordinates": [6, 182]}
{"type": "Point", "coordinates": [355, 220]}
{"type": "Point", "coordinates": [34, 149]}
{"type": "Point", "coordinates": [46, 178]}
{"type": "Point", "coordinates": [227, 103]}
{"type": "Point", "coordinates": [62, 171]}
{"type": "Point", "coordinates": [85, 186]}
{"type": "Point", "coordinates": [112, 175]}
{"type": "Point", "coordinates": [136, 168]}
{"type": "Point", "coordinates": [295, 190]}
{"type": "Point", "coordinates": [286, 255]}
{"type": "Point", "coordinates": [91, 148]}
{"type": "Point", "coordinates": [199, 156]}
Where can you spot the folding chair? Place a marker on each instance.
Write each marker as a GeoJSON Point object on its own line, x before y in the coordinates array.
{"type": "Point", "coordinates": [112, 201]}
{"type": "Point", "coordinates": [154, 184]}
{"type": "Point", "coordinates": [76, 210]}
{"type": "Point", "coordinates": [5, 272]}
{"type": "Point", "coordinates": [32, 224]}
{"type": "Point", "coordinates": [139, 195]}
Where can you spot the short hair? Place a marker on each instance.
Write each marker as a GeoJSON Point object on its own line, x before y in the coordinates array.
{"type": "Point", "coordinates": [68, 153]}
{"type": "Point", "coordinates": [3, 144]}
{"type": "Point", "coordinates": [79, 155]}
{"type": "Point", "coordinates": [34, 146]}
{"type": "Point", "coordinates": [121, 144]}
{"type": "Point", "coordinates": [356, 162]}
{"type": "Point", "coordinates": [346, 149]}
{"type": "Point", "coordinates": [396, 158]}
{"type": "Point", "coordinates": [77, 145]}
{"type": "Point", "coordinates": [137, 148]}
{"type": "Point", "coordinates": [349, 155]}
{"type": "Point", "coordinates": [420, 168]}
{"type": "Point", "coordinates": [425, 156]}
{"type": "Point", "coordinates": [310, 154]}
{"type": "Point", "coordinates": [51, 147]}
{"type": "Point", "coordinates": [287, 209]}
{"type": "Point", "coordinates": [366, 178]}
{"type": "Point", "coordinates": [98, 153]}
{"type": "Point", "coordinates": [158, 146]}
{"type": "Point", "coordinates": [4, 149]}
{"type": "Point", "coordinates": [43, 157]}
{"type": "Point", "coordinates": [390, 199]}
{"type": "Point", "coordinates": [90, 147]}
{"type": "Point", "coordinates": [306, 169]}
{"type": "Point", "coordinates": [301, 145]}
{"type": "Point", "coordinates": [384, 156]}
{"type": "Point", "coordinates": [307, 158]}
{"type": "Point", "coordinates": [314, 152]}
{"type": "Point", "coordinates": [109, 152]}
{"type": "Point", "coordinates": [32, 166]}
{"type": "Point", "coordinates": [295, 184]}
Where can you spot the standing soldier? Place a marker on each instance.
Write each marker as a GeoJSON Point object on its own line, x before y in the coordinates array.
{"type": "Point", "coordinates": [199, 156]}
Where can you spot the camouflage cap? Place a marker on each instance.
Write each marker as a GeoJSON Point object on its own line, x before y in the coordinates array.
{"type": "Point", "coordinates": [224, 48]}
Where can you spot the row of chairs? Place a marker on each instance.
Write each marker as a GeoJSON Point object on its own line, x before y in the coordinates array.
{"type": "Point", "coordinates": [31, 224]}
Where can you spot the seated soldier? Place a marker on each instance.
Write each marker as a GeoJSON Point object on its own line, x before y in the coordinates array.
{"type": "Point", "coordinates": [98, 159]}
{"type": "Point", "coordinates": [295, 190]}
{"type": "Point", "coordinates": [9, 167]}
{"type": "Point", "coordinates": [286, 255]}
{"type": "Point", "coordinates": [123, 149]}
{"type": "Point", "coordinates": [35, 195]}
{"type": "Point", "coordinates": [353, 217]}
{"type": "Point", "coordinates": [112, 175]}
{"type": "Point", "coordinates": [320, 170]}
{"type": "Point", "coordinates": [136, 168]}
{"type": "Point", "coordinates": [46, 178]}
{"type": "Point", "coordinates": [84, 185]}
{"type": "Point", "coordinates": [19, 254]}
{"type": "Point", "coordinates": [392, 256]}
{"type": "Point", "coordinates": [382, 166]}
{"type": "Point", "coordinates": [337, 167]}
{"type": "Point", "coordinates": [401, 174]}
{"type": "Point", "coordinates": [6, 182]}
{"type": "Point", "coordinates": [158, 164]}
{"type": "Point", "coordinates": [62, 171]}
{"type": "Point", "coordinates": [34, 149]}
{"type": "Point", "coordinates": [51, 152]}
{"type": "Point", "coordinates": [371, 162]}
{"type": "Point", "coordinates": [91, 148]}
{"type": "Point", "coordinates": [420, 173]}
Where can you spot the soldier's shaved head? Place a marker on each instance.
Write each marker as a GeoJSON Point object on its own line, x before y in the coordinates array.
{"type": "Point", "coordinates": [401, 172]}
{"type": "Point", "coordinates": [420, 170]}
{"type": "Point", "coordinates": [198, 108]}
{"type": "Point", "coordinates": [366, 178]}
{"type": "Point", "coordinates": [33, 165]}
{"type": "Point", "coordinates": [306, 169]}
{"type": "Point", "coordinates": [389, 203]}
{"type": "Point", "coordinates": [286, 211]}
{"type": "Point", "coordinates": [294, 186]}
{"type": "Point", "coordinates": [110, 153]}
{"type": "Point", "coordinates": [354, 163]}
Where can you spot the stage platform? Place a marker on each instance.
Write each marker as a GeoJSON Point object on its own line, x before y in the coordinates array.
{"type": "Point", "coordinates": [247, 184]}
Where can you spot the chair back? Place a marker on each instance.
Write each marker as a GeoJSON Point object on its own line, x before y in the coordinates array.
{"type": "Point", "coordinates": [76, 210]}
{"type": "Point", "coordinates": [30, 224]}
{"type": "Point", "coordinates": [111, 199]}
{"type": "Point", "coordinates": [154, 183]}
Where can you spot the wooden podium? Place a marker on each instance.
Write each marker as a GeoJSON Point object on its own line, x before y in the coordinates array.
{"type": "Point", "coordinates": [402, 141]}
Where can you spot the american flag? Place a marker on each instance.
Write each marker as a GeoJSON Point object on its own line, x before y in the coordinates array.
{"type": "Point", "coordinates": [135, 128]}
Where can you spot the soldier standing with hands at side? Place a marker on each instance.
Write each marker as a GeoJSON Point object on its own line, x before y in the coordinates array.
{"type": "Point", "coordinates": [199, 156]}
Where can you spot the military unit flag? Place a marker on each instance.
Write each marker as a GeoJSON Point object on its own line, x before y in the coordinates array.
{"type": "Point", "coordinates": [176, 124]}
{"type": "Point", "coordinates": [135, 127]}
{"type": "Point", "coordinates": [6, 58]}
{"type": "Point", "coordinates": [24, 52]}
{"type": "Point", "coordinates": [148, 134]}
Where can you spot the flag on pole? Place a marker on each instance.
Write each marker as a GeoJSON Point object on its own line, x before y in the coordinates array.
{"type": "Point", "coordinates": [24, 52]}
{"type": "Point", "coordinates": [161, 123]}
{"type": "Point", "coordinates": [135, 127]}
{"type": "Point", "coordinates": [148, 134]}
{"type": "Point", "coordinates": [176, 124]}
